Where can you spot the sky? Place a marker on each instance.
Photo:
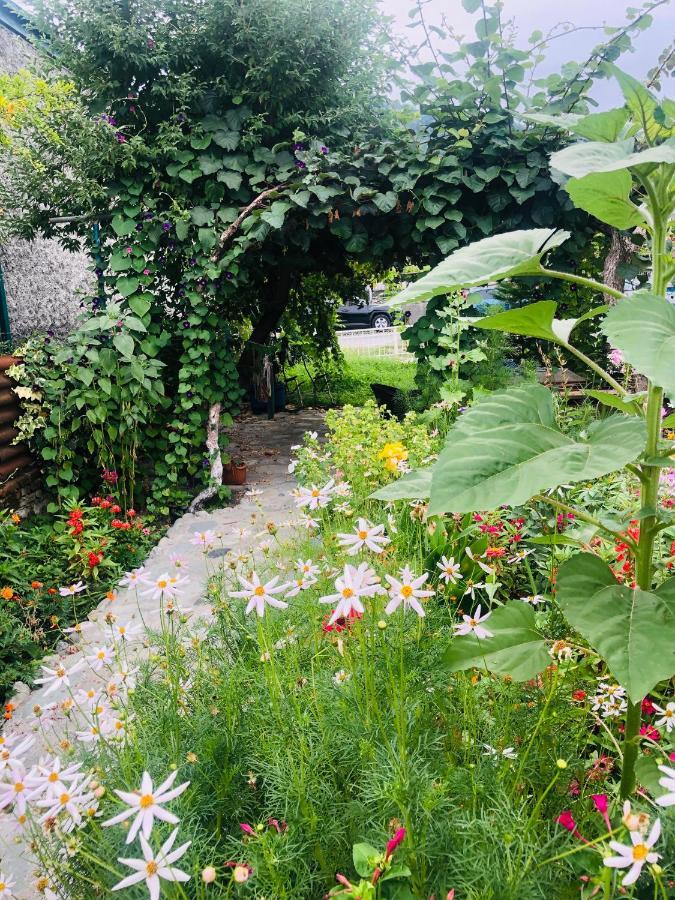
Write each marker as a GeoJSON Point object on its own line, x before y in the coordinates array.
{"type": "Point", "coordinates": [530, 15]}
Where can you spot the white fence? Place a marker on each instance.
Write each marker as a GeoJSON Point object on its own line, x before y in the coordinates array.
{"type": "Point", "coordinates": [376, 342]}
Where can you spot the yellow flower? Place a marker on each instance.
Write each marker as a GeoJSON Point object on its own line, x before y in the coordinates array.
{"type": "Point", "coordinates": [393, 453]}
{"type": "Point", "coordinates": [6, 593]}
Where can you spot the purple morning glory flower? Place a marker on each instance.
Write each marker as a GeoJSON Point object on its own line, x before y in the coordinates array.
{"type": "Point", "coordinates": [324, 150]}
{"type": "Point", "coordinates": [298, 147]}
{"type": "Point", "coordinates": [98, 272]}
{"type": "Point", "coordinates": [139, 227]}
{"type": "Point", "coordinates": [167, 226]}
{"type": "Point", "coordinates": [186, 325]}
{"type": "Point", "coordinates": [229, 276]}
{"type": "Point", "coordinates": [121, 138]}
{"type": "Point", "coordinates": [148, 215]}
{"type": "Point", "coordinates": [300, 164]}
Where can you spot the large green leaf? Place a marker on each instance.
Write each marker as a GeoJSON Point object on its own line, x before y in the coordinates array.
{"type": "Point", "coordinates": [508, 448]}
{"type": "Point", "coordinates": [127, 286]}
{"type": "Point", "coordinates": [415, 485]}
{"type": "Point", "coordinates": [536, 320]}
{"type": "Point", "coordinates": [586, 158]}
{"type": "Point", "coordinates": [494, 258]}
{"type": "Point", "coordinates": [606, 195]}
{"type": "Point", "coordinates": [631, 629]}
{"type": "Point", "coordinates": [516, 648]}
{"type": "Point", "coordinates": [643, 328]}
{"type": "Point", "coordinates": [604, 126]}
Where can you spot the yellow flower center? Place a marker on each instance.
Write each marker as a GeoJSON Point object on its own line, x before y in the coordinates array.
{"type": "Point", "coordinates": [363, 535]}
{"type": "Point", "coordinates": [151, 867]}
{"type": "Point", "coordinates": [60, 672]}
{"type": "Point", "coordinates": [122, 629]}
{"type": "Point", "coordinates": [669, 713]}
{"type": "Point", "coordinates": [347, 593]}
{"type": "Point", "coordinates": [64, 798]}
{"type": "Point", "coordinates": [100, 654]}
{"type": "Point", "coordinates": [19, 786]}
{"type": "Point", "coordinates": [146, 801]}
{"type": "Point", "coordinates": [640, 852]}
{"type": "Point", "coordinates": [162, 583]}
{"type": "Point", "coordinates": [53, 777]}
{"type": "Point", "coordinates": [4, 754]}
{"type": "Point", "coordinates": [406, 590]}
{"type": "Point", "coordinates": [473, 622]}
{"type": "Point", "coordinates": [3, 886]}
{"type": "Point", "coordinates": [315, 493]}
{"type": "Point", "coordinates": [259, 591]}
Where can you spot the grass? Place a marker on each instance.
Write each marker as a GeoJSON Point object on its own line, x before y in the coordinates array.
{"type": "Point", "coordinates": [351, 382]}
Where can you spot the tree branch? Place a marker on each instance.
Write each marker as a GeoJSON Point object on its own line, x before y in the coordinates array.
{"type": "Point", "coordinates": [232, 229]}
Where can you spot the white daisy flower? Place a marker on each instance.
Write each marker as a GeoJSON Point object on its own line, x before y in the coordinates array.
{"type": "Point", "coordinates": [127, 631]}
{"type": "Point", "coordinates": [134, 578]}
{"type": "Point", "coordinates": [10, 756]}
{"type": "Point", "coordinates": [164, 585]}
{"type": "Point", "coordinates": [341, 677]}
{"type": "Point", "coordinates": [669, 784]}
{"type": "Point", "coordinates": [365, 535]}
{"type": "Point", "coordinates": [153, 868]}
{"type": "Point", "coordinates": [534, 599]}
{"type": "Point", "coordinates": [314, 497]}
{"type": "Point", "coordinates": [71, 589]}
{"type": "Point", "coordinates": [259, 594]}
{"type": "Point", "coordinates": [351, 586]}
{"type": "Point", "coordinates": [6, 887]}
{"type": "Point", "coordinates": [634, 856]}
{"type": "Point", "coordinates": [203, 539]}
{"type": "Point", "coordinates": [408, 591]}
{"type": "Point", "coordinates": [146, 805]}
{"type": "Point", "coordinates": [473, 624]}
{"type": "Point", "coordinates": [100, 657]}
{"type": "Point", "coordinates": [58, 676]}
{"type": "Point", "coordinates": [300, 584]}
{"type": "Point", "coordinates": [449, 570]}
{"type": "Point", "coordinates": [667, 716]}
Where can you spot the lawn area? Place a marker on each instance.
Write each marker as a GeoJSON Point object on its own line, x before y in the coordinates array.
{"type": "Point", "coordinates": [351, 382]}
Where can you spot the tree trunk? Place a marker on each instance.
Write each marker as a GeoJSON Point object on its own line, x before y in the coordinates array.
{"type": "Point", "coordinates": [620, 251]}
{"type": "Point", "coordinates": [275, 300]}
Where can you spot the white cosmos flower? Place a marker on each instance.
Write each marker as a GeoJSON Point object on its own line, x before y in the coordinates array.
{"type": "Point", "coordinates": [147, 805]}
{"type": "Point", "coordinates": [164, 585]}
{"type": "Point", "coordinates": [58, 676]}
{"type": "Point", "coordinates": [72, 589]}
{"type": "Point", "coordinates": [351, 586]}
{"type": "Point", "coordinates": [341, 677]}
{"type": "Point", "coordinates": [10, 757]}
{"type": "Point", "coordinates": [100, 657]}
{"type": "Point", "coordinates": [128, 631]}
{"type": "Point", "coordinates": [71, 800]}
{"type": "Point", "coordinates": [343, 489]}
{"type": "Point", "coordinates": [95, 732]}
{"type": "Point", "coordinates": [667, 716]}
{"type": "Point", "coordinates": [153, 868]}
{"type": "Point", "coordinates": [309, 522]}
{"type": "Point", "coordinates": [6, 886]}
{"type": "Point", "coordinates": [669, 784]}
{"type": "Point", "coordinates": [259, 594]}
{"type": "Point", "coordinates": [634, 856]}
{"type": "Point", "coordinates": [507, 752]}
{"type": "Point", "coordinates": [308, 568]}
{"type": "Point", "coordinates": [472, 587]}
{"type": "Point", "coordinates": [365, 535]}
{"type": "Point", "coordinates": [133, 578]}
{"type": "Point", "coordinates": [16, 791]}
{"type": "Point", "coordinates": [178, 562]}
{"type": "Point", "coordinates": [449, 570]}
{"type": "Point", "coordinates": [519, 556]}
{"type": "Point", "coordinates": [473, 623]}
{"type": "Point", "coordinates": [314, 497]}
{"type": "Point", "coordinates": [203, 539]}
{"type": "Point", "coordinates": [51, 779]}
{"type": "Point", "coordinates": [477, 560]}
{"type": "Point", "coordinates": [534, 599]}
{"type": "Point", "coordinates": [300, 584]}
{"type": "Point", "coordinates": [407, 591]}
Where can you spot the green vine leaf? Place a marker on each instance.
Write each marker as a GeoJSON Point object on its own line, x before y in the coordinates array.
{"type": "Point", "coordinates": [631, 629]}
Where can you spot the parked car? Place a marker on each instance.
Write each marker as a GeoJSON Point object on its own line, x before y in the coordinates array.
{"type": "Point", "coordinates": [362, 312]}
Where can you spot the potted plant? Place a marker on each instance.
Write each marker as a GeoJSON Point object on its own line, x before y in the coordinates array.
{"type": "Point", "coordinates": [234, 471]}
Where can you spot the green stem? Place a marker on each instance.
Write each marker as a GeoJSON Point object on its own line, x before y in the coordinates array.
{"type": "Point", "coordinates": [597, 369]}
{"type": "Point", "coordinates": [584, 282]}
{"type": "Point", "coordinates": [584, 517]}
{"type": "Point", "coordinates": [649, 491]}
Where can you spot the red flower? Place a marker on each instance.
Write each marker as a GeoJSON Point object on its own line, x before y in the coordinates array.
{"type": "Point", "coordinates": [394, 842]}
{"type": "Point", "coordinates": [131, 513]}
{"type": "Point", "coordinates": [650, 732]}
{"type": "Point", "coordinates": [579, 695]}
{"type": "Point", "coordinates": [115, 508]}
{"type": "Point", "coordinates": [94, 560]}
{"type": "Point", "coordinates": [341, 624]}
{"type": "Point", "coordinates": [495, 552]}
{"type": "Point", "coordinates": [96, 501]}
{"type": "Point", "coordinates": [105, 504]}
{"type": "Point", "coordinates": [647, 707]}
{"type": "Point", "coordinates": [78, 528]}
{"type": "Point", "coordinates": [566, 819]}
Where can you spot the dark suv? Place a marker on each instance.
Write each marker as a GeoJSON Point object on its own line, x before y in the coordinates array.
{"type": "Point", "coordinates": [363, 313]}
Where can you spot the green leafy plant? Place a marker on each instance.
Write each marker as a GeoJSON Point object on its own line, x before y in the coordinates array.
{"type": "Point", "coordinates": [508, 448]}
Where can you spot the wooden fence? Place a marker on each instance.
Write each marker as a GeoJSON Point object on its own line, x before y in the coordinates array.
{"type": "Point", "coordinates": [17, 467]}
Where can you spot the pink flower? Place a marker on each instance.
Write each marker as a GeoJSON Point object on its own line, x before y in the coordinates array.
{"type": "Point", "coordinates": [601, 804]}
{"type": "Point", "coordinates": [394, 842]}
{"type": "Point", "coordinates": [247, 829]}
{"type": "Point", "coordinates": [566, 819]}
{"type": "Point", "coordinates": [648, 731]}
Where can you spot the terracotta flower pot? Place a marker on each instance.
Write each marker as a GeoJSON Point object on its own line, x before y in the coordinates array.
{"type": "Point", "coordinates": [234, 473]}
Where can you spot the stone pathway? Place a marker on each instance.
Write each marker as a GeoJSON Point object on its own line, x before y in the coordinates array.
{"type": "Point", "coordinates": [266, 447]}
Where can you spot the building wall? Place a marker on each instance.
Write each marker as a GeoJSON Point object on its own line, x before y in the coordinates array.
{"type": "Point", "coordinates": [45, 284]}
